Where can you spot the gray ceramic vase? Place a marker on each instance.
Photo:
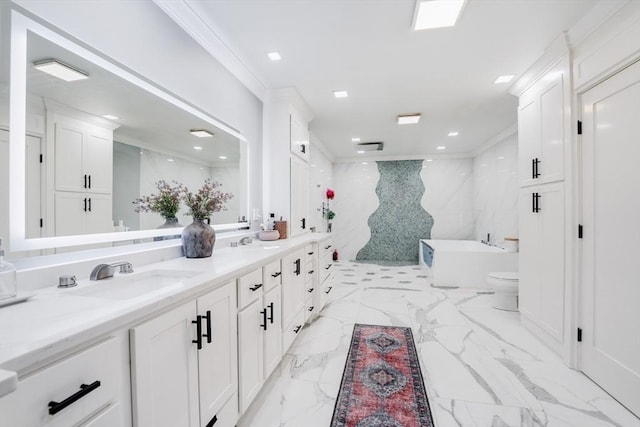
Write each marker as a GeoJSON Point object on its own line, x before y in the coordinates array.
{"type": "Point", "coordinates": [198, 239]}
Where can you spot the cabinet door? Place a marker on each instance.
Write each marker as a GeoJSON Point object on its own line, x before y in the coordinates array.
{"type": "Point", "coordinates": [99, 215]}
{"type": "Point", "coordinates": [70, 213]}
{"type": "Point", "coordinates": [551, 253]}
{"type": "Point", "coordinates": [98, 161]}
{"type": "Point", "coordinates": [551, 167]}
{"type": "Point", "coordinates": [299, 196]}
{"type": "Point", "coordinates": [528, 138]}
{"type": "Point", "coordinates": [69, 142]}
{"type": "Point", "coordinates": [218, 359]}
{"type": "Point", "coordinates": [164, 370]}
{"type": "Point", "coordinates": [250, 352]}
{"type": "Point", "coordinates": [529, 257]}
{"type": "Point", "coordinates": [273, 334]}
{"type": "Point", "coordinates": [292, 285]}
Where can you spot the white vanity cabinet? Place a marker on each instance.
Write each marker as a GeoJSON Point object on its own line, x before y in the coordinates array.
{"type": "Point", "coordinates": [259, 332]}
{"type": "Point", "coordinates": [293, 296]}
{"type": "Point", "coordinates": [83, 389]}
{"type": "Point", "coordinates": [184, 364]}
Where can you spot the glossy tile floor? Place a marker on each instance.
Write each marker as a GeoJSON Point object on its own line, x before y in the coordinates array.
{"type": "Point", "coordinates": [481, 367]}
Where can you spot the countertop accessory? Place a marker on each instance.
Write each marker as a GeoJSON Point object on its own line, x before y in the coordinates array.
{"type": "Point", "coordinates": [67, 281]}
{"type": "Point", "coordinates": [269, 235]}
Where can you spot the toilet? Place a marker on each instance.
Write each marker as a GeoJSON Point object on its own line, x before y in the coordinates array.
{"type": "Point", "coordinates": [505, 285]}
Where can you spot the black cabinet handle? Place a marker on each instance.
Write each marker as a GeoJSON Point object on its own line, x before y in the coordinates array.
{"type": "Point", "coordinates": [310, 271]}
{"type": "Point", "coordinates": [536, 171]}
{"type": "Point", "coordinates": [85, 181]}
{"type": "Point", "coordinates": [533, 202]}
{"type": "Point", "coordinates": [297, 329]}
{"type": "Point", "coordinates": [328, 247]}
{"type": "Point", "coordinates": [309, 253]}
{"type": "Point", "coordinates": [213, 421]}
{"type": "Point", "coordinates": [310, 290]}
{"type": "Point", "coordinates": [263, 325]}
{"type": "Point", "coordinates": [208, 334]}
{"type": "Point", "coordinates": [271, 313]}
{"type": "Point", "coordinates": [329, 289]}
{"type": "Point", "coordinates": [303, 149]}
{"type": "Point", "coordinates": [89, 204]}
{"type": "Point", "coordinates": [276, 274]}
{"type": "Point", "coordinates": [85, 204]}
{"type": "Point", "coordinates": [328, 266]}
{"type": "Point", "coordinates": [297, 264]}
{"type": "Point", "coordinates": [256, 287]}
{"type": "Point", "coordinates": [310, 308]}
{"type": "Point", "coordinates": [198, 339]}
{"type": "Point", "coordinates": [89, 181]}
{"type": "Point", "coordinates": [537, 202]}
{"type": "Point", "coordinates": [304, 223]}
{"type": "Point", "coordinates": [55, 407]}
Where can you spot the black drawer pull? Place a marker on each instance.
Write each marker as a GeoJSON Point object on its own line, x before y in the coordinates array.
{"type": "Point", "coordinates": [213, 421]}
{"type": "Point", "coordinates": [276, 274]}
{"type": "Point", "coordinates": [311, 271]}
{"type": "Point", "coordinates": [55, 407]}
{"type": "Point", "coordinates": [328, 247]}
{"type": "Point", "coordinates": [309, 253]}
{"type": "Point", "coordinates": [208, 334]}
{"type": "Point", "coordinates": [310, 290]}
{"type": "Point", "coordinates": [297, 329]}
{"type": "Point", "coordinates": [310, 308]}
{"type": "Point", "coordinates": [328, 266]}
{"type": "Point", "coordinates": [198, 339]}
{"type": "Point", "coordinates": [256, 287]}
{"type": "Point", "coordinates": [329, 289]}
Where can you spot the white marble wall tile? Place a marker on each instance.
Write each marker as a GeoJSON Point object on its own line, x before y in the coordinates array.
{"type": "Point", "coordinates": [495, 191]}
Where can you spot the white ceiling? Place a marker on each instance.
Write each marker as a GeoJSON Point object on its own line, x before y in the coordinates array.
{"type": "Point", "coordinates": [368, 48]}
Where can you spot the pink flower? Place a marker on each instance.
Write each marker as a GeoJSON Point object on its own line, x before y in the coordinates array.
{"type": "Point", "coordinates": [330, 194]}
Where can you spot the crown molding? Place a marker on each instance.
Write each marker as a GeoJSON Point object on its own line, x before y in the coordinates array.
{"type": "Point", "coordinates": [183, 14]}
{"type": "Point", "coordinates": [316, 143]}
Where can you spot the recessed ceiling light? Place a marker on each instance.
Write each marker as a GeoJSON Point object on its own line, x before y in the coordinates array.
{"type": "Point", "coordinates": [429, 160]}
{"type": "Point", "coordinates": [437, 13]}
{"type": "Point", "coordinates": [364, 163]}
{"type": "Point", "coordinates": [169, 160]}
{"type": "Point", "coordinates": [501, 158]}
{"type": "Point", "coordinates": [361, 151]}
{"type": "Point", "coordinates": [355, 139]}
{"type": "Point", "coordinates": [440, 147]}
{"type": "Point", "coordinates": [60, 70]}
{"type": "Point", "coordinates": [503, 79]}
{"type": "Point", "coordinates": [453, 133]}
{"type": "Point", "coordinates": [222, 157]}
{"type": "Point", "coordinates": [408, 119]}
{"type": "Point", "coordinates": [111, 117]}
{"type": "Point", "coordinates": [201, 133]}
{"type": "Point", "coordinates": [197, 147]}
{"type": "Point", "coordinates": [340, 93]}
{"type": "Point", "coordinates": [274, 56]}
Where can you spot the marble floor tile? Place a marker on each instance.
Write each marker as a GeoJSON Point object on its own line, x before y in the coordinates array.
{"type": "Point", "coordinates": [481, 367]}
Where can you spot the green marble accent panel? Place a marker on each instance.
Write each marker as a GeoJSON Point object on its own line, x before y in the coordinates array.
{"type": "Point", "coordinates": [400, 220]}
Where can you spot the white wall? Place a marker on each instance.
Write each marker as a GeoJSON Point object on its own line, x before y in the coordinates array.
{"type": "Point", "coordinates": [495, 191]}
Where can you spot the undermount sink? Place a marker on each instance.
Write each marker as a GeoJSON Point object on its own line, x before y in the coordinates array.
{"type": "Point", "coordinates": [121, 287]}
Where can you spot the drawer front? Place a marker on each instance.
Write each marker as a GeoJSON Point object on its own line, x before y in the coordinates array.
{"type": "Point", "coordinates": [291, 331]}
{"type": "Point", "coordinates": [249, 288]}
{"type": "Point", "coordinates": [326, 268]}
{"type": "Point", "coordinates": [309, 309]}
{"type": "Point", "coordinates": [326, 248]}
{"type": "Point", "coordinates": [97, 367]}
{"type": "Point", "coordinates": [109, 417]}
{"type": "Point", "coordinates": [310, 272]}
{"type": "Point", "coordinates": [272, 275]}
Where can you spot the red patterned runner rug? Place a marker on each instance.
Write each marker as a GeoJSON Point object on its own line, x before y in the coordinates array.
{"type": "Point", "coordinates": [382, 383]}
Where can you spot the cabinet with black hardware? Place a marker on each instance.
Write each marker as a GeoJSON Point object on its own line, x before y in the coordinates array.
{"type": "Point", "coordinates": [259, 333]}
{"type": "Point", "coordinates": [311, 306]}
{"type": "Point", "coordinates": [293, 296]}
{"type": "Point", "coordinates": [85, 387]}
{"type": "Point", "coordinates": [299, 197]}
{"type": "Point", "coordinates": [325, 277]}
{"type": "Point", "coordinates": [184, 364]}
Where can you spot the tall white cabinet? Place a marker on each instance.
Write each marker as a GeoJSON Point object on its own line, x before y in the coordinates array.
{"type": "Point", "coordinates": [543, 137]}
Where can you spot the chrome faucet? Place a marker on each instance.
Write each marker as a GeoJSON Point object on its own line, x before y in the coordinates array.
{"type": "Point", "coordinates": [245, 240]}
{"type": "Point", "coordinates": [104, 271]}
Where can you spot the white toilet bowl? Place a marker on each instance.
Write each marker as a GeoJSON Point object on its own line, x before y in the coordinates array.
{"type": "Point", "coordinates": [505, 285]}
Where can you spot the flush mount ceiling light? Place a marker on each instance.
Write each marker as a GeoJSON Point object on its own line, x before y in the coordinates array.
{"type": "Point", "coordinates": [60, 70]}
{"type": "Point", "coordinates": [503, 79]}
{"type": "Point", "coordinates": [453, 133]}
{"type": "Point", "coordinates": [408, 119]}
{"type": "Point", "coordinates": [370, 146]}
{"type": "Point", "coordinates": [437, 13]}
{"type": "Point", "coordinates": [274, 56]}
{"type": "Point", "coordinates": [111, 117]}
{"type": "Point", "coordinates": [201, 133]}
{"type": "Point", "coordinates": [340, 93]}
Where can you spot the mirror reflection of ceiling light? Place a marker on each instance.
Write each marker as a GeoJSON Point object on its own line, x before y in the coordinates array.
{"type": "Point", "coordinates": [201, 133]}
{"type": "Point", "coordinates": [60, 70]}
{"type": "Point", "coordinates": [437, 13]}
{"type": "Point", "coordinates": [340, 93]}
{"type": "Point", "coordinates": [111, 117]}
{"type": "Point", "coordinates": [408, 119]}
{"type": "Point", "coordinates": [503, 79]}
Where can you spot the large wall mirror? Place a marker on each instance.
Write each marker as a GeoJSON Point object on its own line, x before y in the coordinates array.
{"type": "Point", "coordinates": [106, 137]}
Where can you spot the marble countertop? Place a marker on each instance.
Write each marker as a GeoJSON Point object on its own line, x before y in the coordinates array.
{"type": "Point", "coordinates": [56, 320]}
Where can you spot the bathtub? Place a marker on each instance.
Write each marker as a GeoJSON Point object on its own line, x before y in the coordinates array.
{"type": "Point", "coordinates": [463, 263]}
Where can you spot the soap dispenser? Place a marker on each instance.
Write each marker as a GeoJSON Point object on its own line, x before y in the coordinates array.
{"type": "Point", "coordinates": [8, 280]}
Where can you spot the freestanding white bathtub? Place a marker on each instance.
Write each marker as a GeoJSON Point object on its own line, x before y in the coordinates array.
{"type": "Point", "coordinates": [463, 263]}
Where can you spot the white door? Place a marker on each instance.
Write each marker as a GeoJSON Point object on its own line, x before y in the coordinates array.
{"type": "Point", "coordinates": [611, 319]}
{"type": "Point", "coordinates": [250, 352]}
{"type": "Point", "coordinates": [218, 359]}
{"type": "Point", "coordinates": [164, 370]}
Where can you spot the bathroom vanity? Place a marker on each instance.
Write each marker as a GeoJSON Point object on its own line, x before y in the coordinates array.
{"type": "Point", "coordinates": [186, 342]}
